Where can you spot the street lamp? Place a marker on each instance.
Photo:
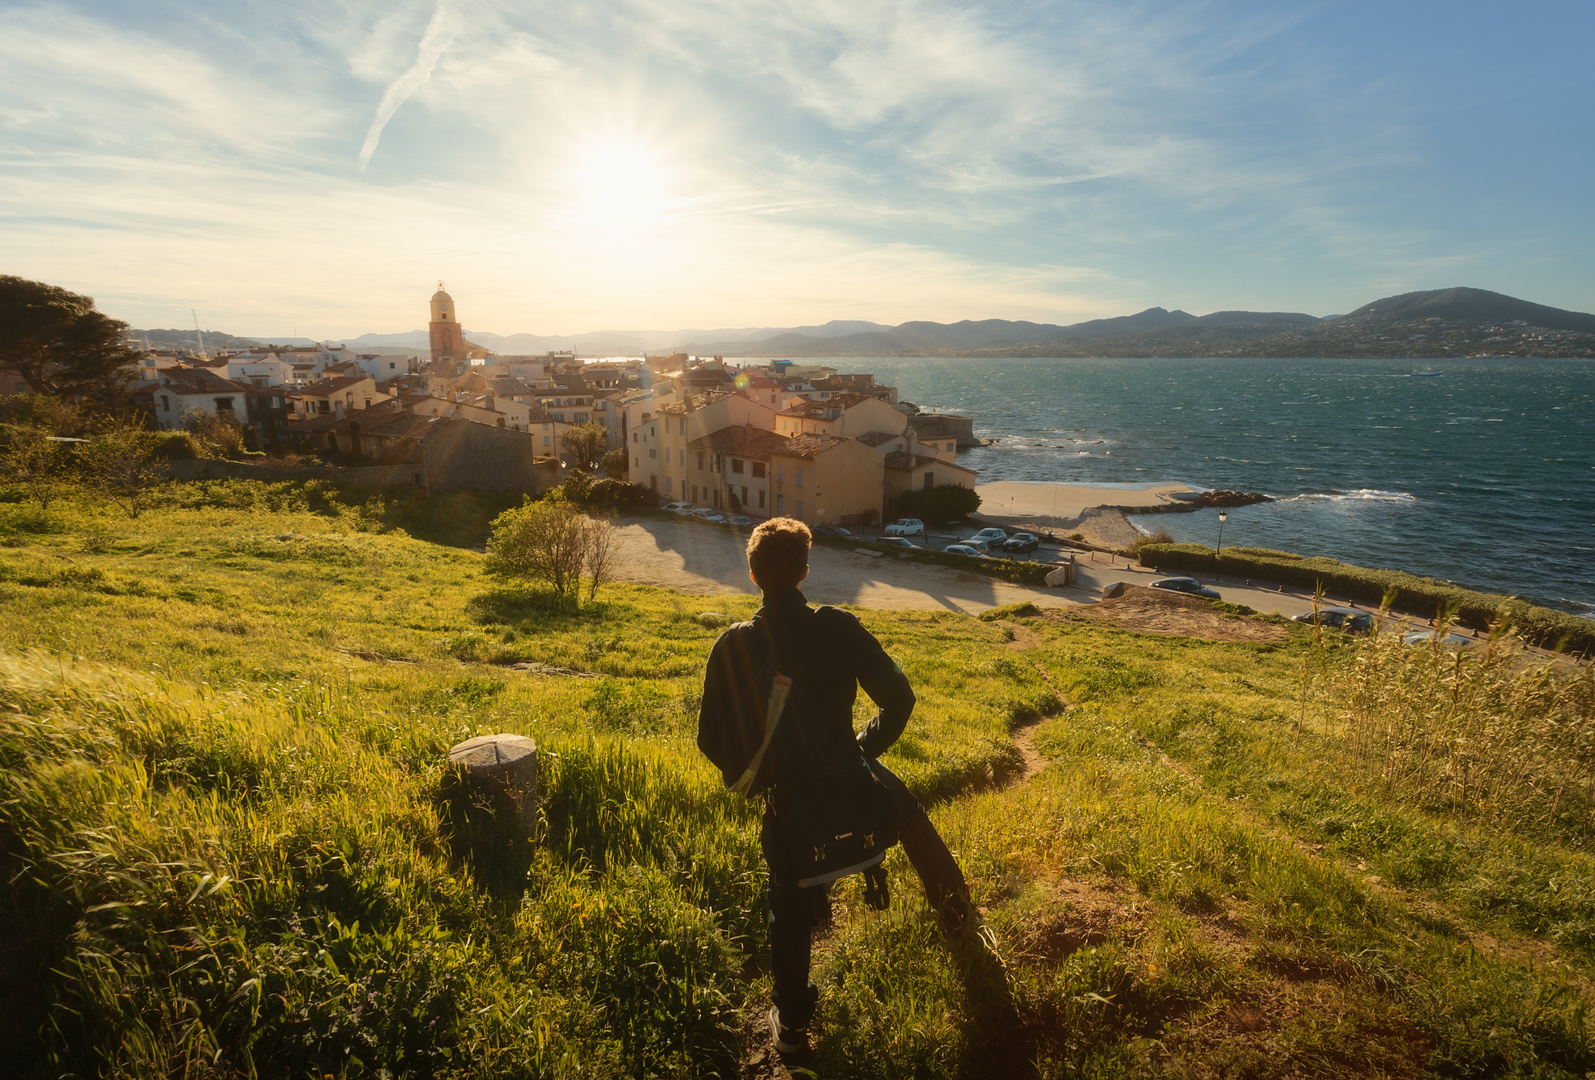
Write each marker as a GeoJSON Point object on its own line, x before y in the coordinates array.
{"type": "Point", "coordinates": [1222, 517]}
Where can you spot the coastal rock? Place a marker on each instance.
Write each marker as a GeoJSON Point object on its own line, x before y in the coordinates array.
{"type": "Point", "coordinates": [1229, 498]}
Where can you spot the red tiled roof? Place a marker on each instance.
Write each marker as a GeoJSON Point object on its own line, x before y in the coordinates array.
{"type": "Point", "coordinates": [742, 440]}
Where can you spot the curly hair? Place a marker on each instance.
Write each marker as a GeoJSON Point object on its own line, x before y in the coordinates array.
{"type": "Point", "coordinates": [778, 553]}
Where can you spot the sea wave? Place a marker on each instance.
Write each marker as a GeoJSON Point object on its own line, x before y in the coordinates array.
{"type": "Point", "coordinates": [1359, 495]}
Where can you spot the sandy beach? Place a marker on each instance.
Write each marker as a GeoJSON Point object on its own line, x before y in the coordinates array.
{"type": "Point", "coordinates": [1065, 509]}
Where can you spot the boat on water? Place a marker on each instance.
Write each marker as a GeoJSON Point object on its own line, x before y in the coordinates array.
{"type": "Point", "coordinates": [1427, 373]}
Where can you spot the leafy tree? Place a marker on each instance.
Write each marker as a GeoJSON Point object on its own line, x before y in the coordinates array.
{"type": "Point", "coordinates": [31, 458]}
{"type": "Point", "coordinates": [938, 503]}
{"type": "Point", "coordinates": [585, 443]}
{"type": "Point", "coordinates": [221, 436]}
{"type": "Point", "coordinates": [58, 343]}
{"type": "Point", "coordinates": [554, 542]}
{"type": "Point", "coordinates": [616, 463]}
{"type": "Point", "coordinates": [121, 464]}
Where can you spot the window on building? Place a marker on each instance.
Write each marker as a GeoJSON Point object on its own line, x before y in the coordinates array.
{"type": "Point", "coordinates": [224, 404]}
{"type": "Point", "coordinates": [652, 452]}
{"type": "Point", "coordinates": [761, 498]}
{"type": "Point", "coordinates": [682, 454]}
{"type": "Point", "coordinates": [546, 439]}
{"type": "Point", "coordinates": [800, 510]}
{"type": "Point", "coordinates": [694, 492]}
{"type": "Point", "coordinates": [736, 465]}
{"type": "Point", "coordinates": [800, 476]}
{"type": "Point", "coordinates": [166, 402]}
{"type": "Point", "coordinates": [635, 436]}
{"type": "Point", "coordinates": [780, 505]}
{"type": "Point", "coordinates": [758, 470]}
{"type": "Point", "coordinates": [744, 494]}
{"type": "Point", "coordinates": [930, 480]}
{"type": "Point", "coordinates": [780, 470]}
{"type": "Point", "coordinates": [700, 460]}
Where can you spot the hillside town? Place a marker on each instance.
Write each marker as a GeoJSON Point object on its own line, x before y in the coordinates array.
{"type": "Point", "coordinates": [800, 440]}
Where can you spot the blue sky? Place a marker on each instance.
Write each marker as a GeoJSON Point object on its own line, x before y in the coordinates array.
{"type": "Point", "coordinates": [316, 167]}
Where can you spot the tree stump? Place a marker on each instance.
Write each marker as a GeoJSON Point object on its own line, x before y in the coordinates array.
{"type": "Point", "coordinates": [501, 772]}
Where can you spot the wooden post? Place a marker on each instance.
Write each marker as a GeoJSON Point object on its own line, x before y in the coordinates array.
{"type": "Point", "coordinates": [502, 770]}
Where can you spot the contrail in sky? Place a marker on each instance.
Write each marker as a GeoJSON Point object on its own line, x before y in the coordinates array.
{"type": "Point", "coordinates": [433, 42]}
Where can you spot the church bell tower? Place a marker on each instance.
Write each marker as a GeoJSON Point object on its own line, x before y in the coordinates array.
{"type": "Point", "coordinates": [448, 340]}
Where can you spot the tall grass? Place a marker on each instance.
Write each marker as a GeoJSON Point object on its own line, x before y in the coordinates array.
{"type": "Point", "coordinates": [1483, 732]}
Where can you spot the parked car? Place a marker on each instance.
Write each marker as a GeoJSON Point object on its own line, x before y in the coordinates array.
{"type": "Point", "coordinates": [965, 549]}
{"type": "Point", "coordinates": [906, 527]}
{"type": "Point", "coordinates": [1338, 618]}
{"type": "Point", "coordinates": [898, 541]}
{"type": "Point", "coordinates": [1188, 585]}
{"type": "Point", "coordinates": [679, 507]}
{"type": "Point", "coordinates": [830, 530]}
{"type": "Point", "coordinates": [703, 513]}
{"type": "Point", "coordinates": [1424, 637]}
{"type": "Point", "coordinates": [988, 536]}
{"type": "Point", "coordinates": [1021, 543]}
{"type": "Point", "coordinates": [742, 519]}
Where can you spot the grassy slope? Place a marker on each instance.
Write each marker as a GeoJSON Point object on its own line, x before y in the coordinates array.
{"type": "Point", "coordinates": [227, 845]}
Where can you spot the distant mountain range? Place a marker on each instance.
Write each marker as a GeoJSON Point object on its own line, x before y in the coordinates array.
{"type": "Point", "coordinates": [1433, 324]}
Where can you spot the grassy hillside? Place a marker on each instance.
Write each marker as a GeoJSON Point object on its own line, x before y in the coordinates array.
{"type": "Point", "coordinates": [228, 847]}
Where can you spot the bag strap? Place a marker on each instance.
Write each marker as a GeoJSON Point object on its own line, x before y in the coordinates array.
{"type": "Point", "coordinates": [779, 689]}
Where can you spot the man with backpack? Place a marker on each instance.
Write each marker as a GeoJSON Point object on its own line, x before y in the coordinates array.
{"type": "Point", "coordinates": [777, 718]}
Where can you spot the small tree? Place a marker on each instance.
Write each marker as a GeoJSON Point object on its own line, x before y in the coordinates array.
{"type": "Point", "coordinates": [553, 541]}
{"type": "Point", "coordinates": [31, 458]}
{"type": "Point", "coordinates": [219, 435]}
{"type": "Point", "coordinates": [121, 466]}
{"type": "Point", "coordinates": [603, 542]}
{"type": "Point", "coordinates": [939, 503]}
{"type": "Point", "coordinates": [616, 463]}
{"type": "Point", "coordinates": [585, 443]}
{"type": "Point", "coordinates": [540, 541]}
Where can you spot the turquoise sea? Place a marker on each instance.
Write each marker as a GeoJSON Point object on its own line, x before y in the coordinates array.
{"type": "Point", "coordinates": [1484, 475]}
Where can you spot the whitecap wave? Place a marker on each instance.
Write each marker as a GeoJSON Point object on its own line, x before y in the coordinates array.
{"type": "Point", "coordinates": [1359, 495]}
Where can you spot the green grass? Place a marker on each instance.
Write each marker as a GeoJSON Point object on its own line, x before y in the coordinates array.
{"type": "Point", "coordinates": [230, 846]}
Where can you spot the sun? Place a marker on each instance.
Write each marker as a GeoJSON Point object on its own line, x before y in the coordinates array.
{"type": "Point", "coordinates": [618, 185]}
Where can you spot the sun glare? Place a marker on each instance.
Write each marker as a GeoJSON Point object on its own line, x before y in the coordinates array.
{"type": "Point", "coordinates": [618, 186]}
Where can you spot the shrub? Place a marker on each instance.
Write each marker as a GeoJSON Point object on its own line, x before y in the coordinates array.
{"type": "Point", "coordinates": [938, 503]}
{"type": "Point", "coordinates": [555, 542]}
{"type": "Point", "coordinates": [615, 463]}
{"type": "Point", "coordinates": [174, 446]}
{"type": "Point", "coordinates": [1408, 592]}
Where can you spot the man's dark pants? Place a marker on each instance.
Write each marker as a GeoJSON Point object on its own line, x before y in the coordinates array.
{"type": "Point", "coordinates": [792, 907]}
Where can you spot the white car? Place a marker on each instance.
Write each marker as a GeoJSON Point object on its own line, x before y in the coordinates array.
{"type": "Point", "coordinates": [897, 541]}
{"type": "Point", "coordinates": [964, 549]}
{"type": "Point", "coordinates": [703, 513]}
{"type": "Point", "coordinates": [679, 507]}
{"type": "Point", "coordinates": [987, 536]}
{"type": "Point", "coordinates": [742, 519]}
{"type": "Point", "coordinates": [906, 527]}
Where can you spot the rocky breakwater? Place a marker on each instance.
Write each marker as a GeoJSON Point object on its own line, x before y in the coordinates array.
{"type": "Point", "coordinates": [1184, 502]}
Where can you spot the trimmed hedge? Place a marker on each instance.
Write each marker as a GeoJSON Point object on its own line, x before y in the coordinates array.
{"type": "Point", "coordinates": [1421, 595]}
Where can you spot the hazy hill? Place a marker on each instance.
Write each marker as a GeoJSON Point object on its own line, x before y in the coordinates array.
{"type": "Point", "coordinates": [1472, 305]}
{"type": "Point", "coordinates": [1434, 323]}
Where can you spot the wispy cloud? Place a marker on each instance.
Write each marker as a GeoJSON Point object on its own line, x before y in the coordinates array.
{"type": "Point", "coordinates": [434, 40]}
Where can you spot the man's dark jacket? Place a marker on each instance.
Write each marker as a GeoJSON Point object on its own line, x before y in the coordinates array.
{"type": "Point", "coordinates": [828, 655]}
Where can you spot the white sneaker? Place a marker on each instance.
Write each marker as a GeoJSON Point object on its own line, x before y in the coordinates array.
{"type": "Point", "coordinates": [787, 1040]}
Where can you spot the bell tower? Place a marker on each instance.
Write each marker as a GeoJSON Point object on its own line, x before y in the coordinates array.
{"type": "Point", "coordinates": [448, 340]}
